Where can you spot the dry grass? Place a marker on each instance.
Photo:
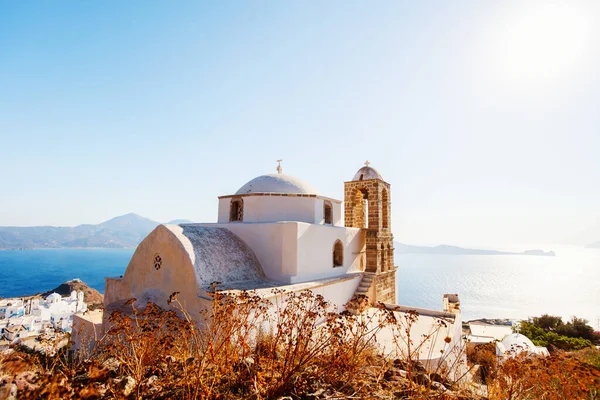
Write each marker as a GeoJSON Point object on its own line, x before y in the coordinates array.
{"type": "Point", "coordinates": [560, 376]}
{"type": "Point", "coordinates": [245, 349]}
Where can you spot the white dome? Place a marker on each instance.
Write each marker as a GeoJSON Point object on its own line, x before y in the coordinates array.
{"type": "Point", "coordinates": [366, 173]}
{"type": "Point", "coordinates": [277, 183]}
{"type": "Point", "coordinates": [517, 343]}
{"type": "Point", "coordinates": [53, 297]}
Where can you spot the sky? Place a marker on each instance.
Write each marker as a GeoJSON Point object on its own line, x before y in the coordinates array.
{"type": "Point", "coordinates": [483, 116]}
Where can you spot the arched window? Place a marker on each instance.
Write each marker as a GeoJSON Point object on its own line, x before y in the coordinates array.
{"type": "Point", "coordinates": [236, 210]}
{"type": "Point", "coordinates": [327, 212]}
{"type": "Point", "coordinates": [361, 208]}
{"type": "Point", "coordinates": [338, 254]}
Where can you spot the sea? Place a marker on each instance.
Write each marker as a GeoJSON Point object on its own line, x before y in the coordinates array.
{"type": "Point", "coordinates": [489, 286]}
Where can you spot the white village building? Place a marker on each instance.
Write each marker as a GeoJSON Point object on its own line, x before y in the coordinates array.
{"type": "Point", "coordinates": [20, 319]}
{"type": "Point", "coordinates": [278, 231]}
{"type": "Point", "coordinates": [11, 308]}
{"type": "Point", "coordinates": [482, 332]}
{"type": "Point", "coordinates": [515, 344]}
{"type": "Point", "coordinates": [508, 343]}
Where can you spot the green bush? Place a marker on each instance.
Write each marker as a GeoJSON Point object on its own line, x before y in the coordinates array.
{"type": "Point", "coordinates": [549, 330]}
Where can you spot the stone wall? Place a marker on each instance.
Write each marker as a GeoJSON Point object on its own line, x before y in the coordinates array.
{"type": "Point", "coordinates": [376, 194]}
{"type": "Point", "coordinates": [367, 205]}
{"type": "Point", "coordinates": [385, 287]}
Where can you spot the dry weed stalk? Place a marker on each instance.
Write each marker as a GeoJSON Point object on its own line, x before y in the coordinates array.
{"type": "Point", "coordinates": [243, 346]}
{"type": "Point", "coordinates": [557, 377]}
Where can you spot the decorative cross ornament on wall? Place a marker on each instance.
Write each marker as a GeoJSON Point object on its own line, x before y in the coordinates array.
{"type": "Point", "coordinates": [157, 261]}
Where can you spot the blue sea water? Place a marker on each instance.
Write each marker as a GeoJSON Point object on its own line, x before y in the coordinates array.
{"type": "Point", "coordinates": [24, 272]}
{"type": "Point", "coordinates": [502, 286]}
{"type": "Point", "coordinates": [506, 286]}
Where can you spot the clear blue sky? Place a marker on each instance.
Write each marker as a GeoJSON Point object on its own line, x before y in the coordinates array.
{"type": "Point", "coordinates": [484, 116]}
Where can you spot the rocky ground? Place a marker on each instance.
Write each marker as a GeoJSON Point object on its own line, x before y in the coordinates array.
{"type": "Point", "coordinates": [398, 380]}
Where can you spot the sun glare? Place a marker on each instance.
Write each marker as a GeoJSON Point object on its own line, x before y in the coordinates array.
{"type": "Point", "coordinates": [541, 43]}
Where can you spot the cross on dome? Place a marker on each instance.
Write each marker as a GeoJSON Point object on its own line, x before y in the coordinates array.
{"type": "Point", "coordinates": [367, 163]}
{"type": "Point", "coordinates": [279, 169]}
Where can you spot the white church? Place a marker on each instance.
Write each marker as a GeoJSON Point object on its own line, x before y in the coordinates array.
{"type": "Point", "coordinates": [278, 231]}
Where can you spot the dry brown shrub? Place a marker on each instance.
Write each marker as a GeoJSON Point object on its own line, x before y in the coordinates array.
{"type": "Point", "coordinates": [556, 377]}
{"type": "Point", "coordinates": [484, 355]}
{"type": "Point", "coordinates": [243, 348]}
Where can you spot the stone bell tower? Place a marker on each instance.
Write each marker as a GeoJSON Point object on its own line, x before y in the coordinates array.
{"type": "Point", "coordinates": [367, 206]}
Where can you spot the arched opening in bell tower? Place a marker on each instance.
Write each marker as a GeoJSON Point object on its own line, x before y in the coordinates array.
{"type": "Point", "coordinates": [385, 207]}
{"type": "Point", "coordinates": [361, 208]}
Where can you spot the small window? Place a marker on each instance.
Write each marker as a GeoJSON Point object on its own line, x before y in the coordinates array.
{"type": "Point", "coordinates": [236, 212]}
{"type": "Point", "coordinates": [328, 212]}
{"type": "Point", "coordinates": [338, 254]}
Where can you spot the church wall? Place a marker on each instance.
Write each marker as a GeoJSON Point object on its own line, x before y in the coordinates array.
{"type": "Point", "coordinates": [433, 352]}
{"type": "Point", "coordinates": [279, 208]}
{"type": "Point", "coordinates": [114, 290]}
{"type": "Point", "coordinates": [274, 208]}
{"type": "Point", "coordinates": [315, 251]}
{"type": "Point", "coordinates": [291, 252]}
{"type": "Point", "coordinates": [272, 243]}
{"type": "Point", "coordinates": [339, 293]}
{"type": "Point", "coordinates": [175, 274]}
{"type": "Point", "coordinates": [319, 212]}
{"type": "Point", "coordinates": [338, 216]}
{"type": "Point", "coordinates": [385, 287]}
{"type": "Point", "coordinates": [223, 216]}
{"type": "Point", "coordinates": [336, 212]}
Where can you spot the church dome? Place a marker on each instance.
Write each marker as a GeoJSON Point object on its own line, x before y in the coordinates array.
{"type": "Point", "coordinates": [277, 183]}
{"type": "Point", "coordinates": [366, 173]}
{"type": "Point", "coordinates": [517, 343]}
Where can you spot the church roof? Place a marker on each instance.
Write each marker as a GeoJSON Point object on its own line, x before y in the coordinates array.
{"type": "Point", "coordinates": [516, 343]}
{"type": "Point", "coordinates": [277, 183]}
{"type": "Point", "coordinates": [218, 255]}
{"type": "Point", "coordinates": [366, 173]}
{"type": "Point", "coordinates": [54, 296]}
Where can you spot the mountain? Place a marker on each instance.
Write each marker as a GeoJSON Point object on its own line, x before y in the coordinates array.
{"type": "Point", "coordinates": [125, 231]}
{"type": "Point", "coordinates": [402, 248]}
{"type": "Point", "coordinates": [595, 245]}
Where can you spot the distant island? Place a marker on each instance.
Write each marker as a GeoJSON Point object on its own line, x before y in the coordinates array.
{"type": "Point", "coordinates": [125, 231]}
{"type": "Point", "coordinates": [595, 245]}
{"type": "Point", "coordinates": [443, 249]}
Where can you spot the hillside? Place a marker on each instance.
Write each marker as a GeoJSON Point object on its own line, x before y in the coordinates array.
{"type": "Point", "coordinates": [93, 298]}
{"type": "Point", "coordinates": [125, 231]}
